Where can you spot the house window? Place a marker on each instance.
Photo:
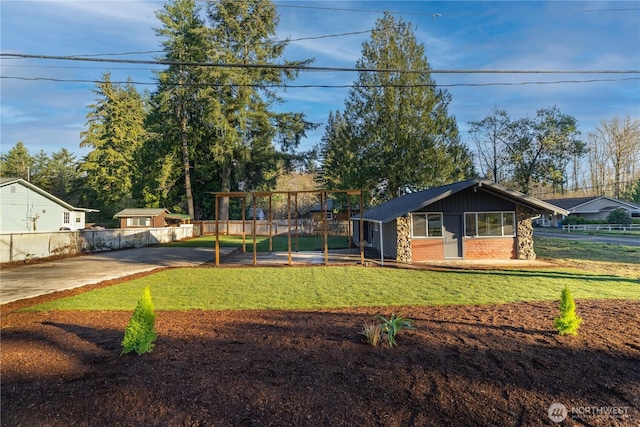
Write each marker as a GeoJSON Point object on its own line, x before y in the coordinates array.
{"type": "Point", "coordinates": [489, 224]}
{"type": "Point", "coordinates": [138, 222]}
{"type": "Point", "coordinates": [426, 225]}
{"type": "Point", "coordinates": [66, 217]}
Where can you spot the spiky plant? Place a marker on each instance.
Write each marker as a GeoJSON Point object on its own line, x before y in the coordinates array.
{"type": "Point", "coordinates": [568, 321]}
{"type": "Point", "coordinates": [372, 332]}
{"type": "Point", "coordinates": [140, 333]}
{"type": "Point", "coordinates": [393, 325]}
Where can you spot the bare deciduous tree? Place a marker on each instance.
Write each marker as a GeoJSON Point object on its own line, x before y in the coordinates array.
{"type": "Point", "coordinates": [614, 152]}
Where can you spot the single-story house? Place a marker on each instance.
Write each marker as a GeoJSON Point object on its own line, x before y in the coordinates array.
{"type": "Point", "coordinates": [470, 220]}
{"type": "Point", "coordinates": [150, 218]}
{"type": "Point", "coordinates": [25, 207]}
{"type": "Point", "coordinates": [591, 208]}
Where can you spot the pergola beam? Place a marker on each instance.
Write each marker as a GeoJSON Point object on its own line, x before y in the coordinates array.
{"type": "Point", "coordinates": [323, 205]}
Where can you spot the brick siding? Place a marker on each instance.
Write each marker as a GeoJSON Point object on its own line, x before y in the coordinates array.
{"type": "Point", "coordinates": [427, 249]}
{"type": "Point", "coordinates": [490, 248]}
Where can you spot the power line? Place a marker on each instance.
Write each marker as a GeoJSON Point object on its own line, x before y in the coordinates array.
{"type": "Point", "coordinates": [307, 67]}
{"type": "Point", "coordinates": [325, 86]}
{"type": "Point", "coordinates": [441, 14]}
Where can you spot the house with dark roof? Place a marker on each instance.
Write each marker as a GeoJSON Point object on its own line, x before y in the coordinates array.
{"type": "Point", "coordinates": [473, 219]}
{"type": "Point", "coordinates": [27, 207]}
{"type": "Point", "coordinates": [150, 218]}
{"type": "Point", "coordinates": [592, 208]}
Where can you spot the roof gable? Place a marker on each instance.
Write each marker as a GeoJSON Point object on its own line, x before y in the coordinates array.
{"type": "Point", "coordinates": [580, 203]}
{"type": "Point", "coordinates": [402, 205]}
{"type": "Point", "coordinates": [9, 181]}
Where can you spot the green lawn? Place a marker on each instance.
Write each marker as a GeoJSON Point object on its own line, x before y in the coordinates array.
{"type": "Point", "coordinates": [551, 247]}
{"type": "Point", "coordinates": [307, 288]}
{"type": "Point", "coordinates": [304, 288]}
{"type": "Point", "coordinates": [280, 243]}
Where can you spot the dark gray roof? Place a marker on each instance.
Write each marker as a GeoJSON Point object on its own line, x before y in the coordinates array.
{"type": "Point", "coordinates": [394, 208]}
{"type": "Point", "coordinates": [571, 202]}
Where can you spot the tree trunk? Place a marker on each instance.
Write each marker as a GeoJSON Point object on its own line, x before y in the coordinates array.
{"type": "Point", "coordinates": [185, 161]}
{"type": "Point", "coordinates": [225, 187]}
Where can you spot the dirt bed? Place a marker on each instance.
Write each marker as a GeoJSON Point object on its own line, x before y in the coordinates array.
{"type": "Point", "coordinates": [498, 365]}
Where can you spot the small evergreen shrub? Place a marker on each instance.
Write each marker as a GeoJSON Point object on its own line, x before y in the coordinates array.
{"type": "Point", "coordinates": [569, 321]}
{"type": "Point", "coordinates": [140, 333]}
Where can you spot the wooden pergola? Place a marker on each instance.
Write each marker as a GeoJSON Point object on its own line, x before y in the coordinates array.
{"type": "Point", "coordinates": [290, 194]}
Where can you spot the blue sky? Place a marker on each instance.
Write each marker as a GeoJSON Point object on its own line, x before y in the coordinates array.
{"type": "Point", "coordinates": [492, 35]}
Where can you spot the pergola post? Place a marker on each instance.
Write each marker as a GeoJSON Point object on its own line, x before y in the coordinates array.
{"type": "Point", "coordinates": [217, 234]}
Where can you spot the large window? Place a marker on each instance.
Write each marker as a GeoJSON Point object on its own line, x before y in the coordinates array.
{"type": "Point", "coordinates": [66, 217]}
{"type": "Point", "coordinates": [489, 224]}
{"type": "Point", "coordinates": [426, 225]}
{"type": "Point", "coordinates": [138, 222]}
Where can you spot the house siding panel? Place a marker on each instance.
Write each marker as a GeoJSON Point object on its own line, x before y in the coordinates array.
{"type": "Point", "coordinates": [471, 201]}
{"type": "Point", "coordinates": [490, 248]}
{"type": "Point", "coordinates": [427, 250]}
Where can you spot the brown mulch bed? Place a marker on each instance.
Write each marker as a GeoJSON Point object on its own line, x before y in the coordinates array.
{"type": "Point", "coordinates": [491, 365]}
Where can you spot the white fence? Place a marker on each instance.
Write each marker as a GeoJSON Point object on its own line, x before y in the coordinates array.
{"type": "Point", "coordinates": [601, 227]}
{"type": "Point", "coordinates": [26, 246]}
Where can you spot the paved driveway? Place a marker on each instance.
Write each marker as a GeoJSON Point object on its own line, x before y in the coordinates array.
{"type": "Point", "coordinates": [31, 280]}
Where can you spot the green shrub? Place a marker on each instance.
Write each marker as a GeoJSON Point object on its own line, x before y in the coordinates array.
{"type": "Point", "coordinates": [393, 325]}
{"type": "Point", "coordinates": [619, 216]}
{"type": "Point", "coordinates": [569, 321]}
{"type": "Point", "coordinates": [140, 333]}
{"type": "Point", "coordinates": [573, 220]}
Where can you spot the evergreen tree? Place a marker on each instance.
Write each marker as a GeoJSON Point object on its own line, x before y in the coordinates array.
{"type": "Point", "coordinates": [115, 130]}
{"type": "Point", "coordinates": [243, 125]}
{"type": "Point", "coordinates": [399, 135]}
{"type": "Point", "coordinates": [178, 122]}
{"type": "Point", "coordinates": [17, 162]}
{"type": "Point", "coordinates": [568, 321]}
{"type": "Point", "coordinates": [222, 116]}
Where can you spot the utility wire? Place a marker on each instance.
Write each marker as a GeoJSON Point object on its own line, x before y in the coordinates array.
{"type": "Point", "coordinates": [324, 86]}
{"type": "Point", "coordinates": [307, 67]}
{"type": "Point", "coordinates": [441, 14]}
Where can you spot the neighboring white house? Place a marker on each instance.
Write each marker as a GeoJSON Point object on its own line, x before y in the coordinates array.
{"type": "Point", "coordinates": [25, 207]}
{"type": "Point", "coordinates": [592, 208]}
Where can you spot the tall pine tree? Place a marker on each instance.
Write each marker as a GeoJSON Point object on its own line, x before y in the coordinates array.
{"type": "Point", "coordinates": [115, 131]}
{"type": "Point", "coordinates": [400, 137]}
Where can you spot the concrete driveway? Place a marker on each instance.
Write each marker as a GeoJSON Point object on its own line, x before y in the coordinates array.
{"type": "Point", "coordinates": [30, 280]}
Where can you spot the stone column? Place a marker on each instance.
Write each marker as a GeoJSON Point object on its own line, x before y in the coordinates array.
{"type": "Point", "coordinates": [403, 226]}
{"type": "Point", "coordinates": [524, 233]}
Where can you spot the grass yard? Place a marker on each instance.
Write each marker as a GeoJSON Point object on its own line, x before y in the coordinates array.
{"type": "Point", "coordinates": [280, 243]}
{"type": "Point", "coordinates": [611, 274]}
{"type": "Point", "coordinates": [338, 287]}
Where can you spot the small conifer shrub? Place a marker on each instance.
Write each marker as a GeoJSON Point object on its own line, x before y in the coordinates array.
{"type": "Point", "coordinates": [140, 333]}
{"type": "Point", "coordinates": [569, 321]}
